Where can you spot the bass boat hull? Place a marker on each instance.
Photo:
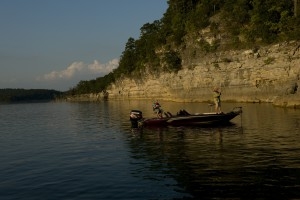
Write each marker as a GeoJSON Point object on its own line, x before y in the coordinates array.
{"type": "Point", "coordinates": [192, 119]}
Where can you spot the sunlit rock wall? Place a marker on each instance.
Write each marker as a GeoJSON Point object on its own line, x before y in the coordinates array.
{"type": "Point", "coordinates": [263, 75]}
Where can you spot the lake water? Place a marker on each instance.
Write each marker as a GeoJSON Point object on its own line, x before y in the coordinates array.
{"type": "Point", "coordinates": [88, 151]}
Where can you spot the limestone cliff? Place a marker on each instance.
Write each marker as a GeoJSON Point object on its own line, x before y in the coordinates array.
{"type": "Point", "coordinates": [267, 74]}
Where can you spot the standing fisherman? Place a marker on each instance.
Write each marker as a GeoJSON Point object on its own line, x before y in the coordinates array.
{"type": "Point", "coordinates": [217, 99]}
{"type": "Point", "coordinates": [157, 109]}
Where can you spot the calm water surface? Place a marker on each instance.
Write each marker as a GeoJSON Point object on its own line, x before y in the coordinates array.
{"type": "Point", "coordinates": [88, 151]}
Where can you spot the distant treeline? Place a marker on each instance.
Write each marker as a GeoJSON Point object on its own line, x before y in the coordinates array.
{"type": "Point", "coordinates": [20, 95]}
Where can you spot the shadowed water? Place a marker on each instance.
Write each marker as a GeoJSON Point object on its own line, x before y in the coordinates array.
{"type": "Point", "coordinates": [88, 151]}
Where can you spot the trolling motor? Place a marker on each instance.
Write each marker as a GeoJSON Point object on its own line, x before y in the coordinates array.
{"type": "Point", "coordinates": [135, 117]}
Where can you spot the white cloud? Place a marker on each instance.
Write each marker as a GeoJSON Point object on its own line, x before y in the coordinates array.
{"type": "Point", "coordinates": [97, 67]}
{"type": "Point", "coordinates": [80, 69]}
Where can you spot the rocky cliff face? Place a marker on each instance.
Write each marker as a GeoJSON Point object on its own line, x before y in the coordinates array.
{"type": "Point", "coordinates": [268, 74]}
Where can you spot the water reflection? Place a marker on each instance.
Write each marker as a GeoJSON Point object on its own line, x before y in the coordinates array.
{"type": "Point", "coordinates": [178, 152]}
{"type": "Point", "coordinates": [88, 151]}
{"type": "Point", "coordinates": [256, 157]}
{"type": "Point", "coordinates": [253, 158]}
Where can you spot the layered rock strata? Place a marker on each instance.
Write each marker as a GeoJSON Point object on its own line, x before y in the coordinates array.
{"type": "Point", "coordinates": [269, 74]}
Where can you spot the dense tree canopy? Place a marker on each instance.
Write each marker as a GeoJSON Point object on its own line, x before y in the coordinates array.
{"type": "Point", "coordinates": [161, 43]}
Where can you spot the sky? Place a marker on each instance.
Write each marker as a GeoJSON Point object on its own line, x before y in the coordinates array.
{"type": "Point", "coordinates": [54, 44]}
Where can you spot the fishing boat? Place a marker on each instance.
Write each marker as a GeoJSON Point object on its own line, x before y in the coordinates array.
{"type": "Point", "coordinates": [183, 118]}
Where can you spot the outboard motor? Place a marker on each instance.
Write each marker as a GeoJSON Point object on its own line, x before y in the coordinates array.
{"type": "Point", "coordinates": [135, 117]}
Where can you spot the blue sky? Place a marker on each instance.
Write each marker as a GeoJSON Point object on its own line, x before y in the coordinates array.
{"type": "Point", "coordinates": [53, 44]}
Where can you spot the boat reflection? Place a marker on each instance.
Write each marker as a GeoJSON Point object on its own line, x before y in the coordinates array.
{"type": "Point", "coordinates": [193, 156]}
{"type": "Point", "coordinates": [255, 158]}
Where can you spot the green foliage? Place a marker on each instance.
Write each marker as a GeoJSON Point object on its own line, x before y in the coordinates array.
{"type": "Point", "coordinates": [172, 60]}
{"type": "Point", "coordinates": [260, 21]}
{"type": "Point", "coordinates": [216, 65]}
{"type": "Point", "coordinates": [227, 60]}
{"type": "Point", "coordinates": [128, 59]}
{"type": "Point", "coordinates": [207, 47]}
{"type": "Point", "coordinates": [269, 60]}
{"type": "Point", "coordinates": [93, 86]}
{"type": "Point", "coordinates": [162, 42]}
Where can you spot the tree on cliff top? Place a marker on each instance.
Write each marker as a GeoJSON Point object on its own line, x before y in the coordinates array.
{"type": "Point", "coordinates": [162, 44]}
